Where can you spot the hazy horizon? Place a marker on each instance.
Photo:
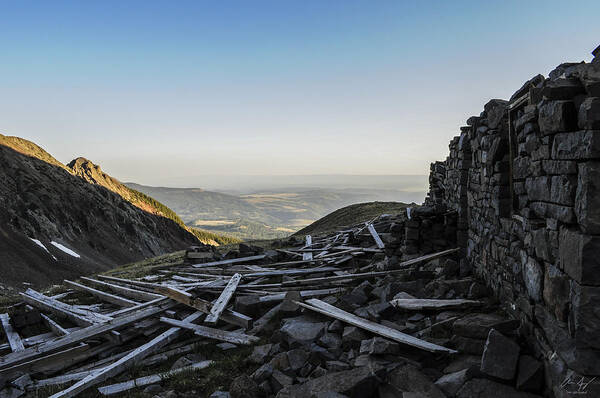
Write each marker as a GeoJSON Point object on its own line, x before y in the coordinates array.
{"type": "Point", "coordinates": [162, 93]}
{"type": "Point", "coordinates": [247, 184]}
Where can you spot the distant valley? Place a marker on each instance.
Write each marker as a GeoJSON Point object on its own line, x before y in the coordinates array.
{"type": "Point", "coordinates": [276, 212]}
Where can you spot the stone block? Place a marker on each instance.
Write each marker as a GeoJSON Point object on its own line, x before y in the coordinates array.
{"type": "Point", "coordinates": [578, 145]}
{"type": "Point", "coordinates": [563, 190]}
{"type": "Point", "coordinates": [530, 375]}
{"type": "Point", "coordinates": [585, 317]}
{"type": "Point", "coordinates": [559, 167]}
{"type": "Point", "coordinates": [587, 200]}
{"type": "Point", "coordinates": [541, 244]}
{"type": "Point", "coordinates": [538, 188]}
{"type": "Point", "coordinates": [562, 89]}
{"type": "Point", "coordinates": [556, 292]}
{"type": "Point", "coordinates": [565, 214]}
{"type": "Point", "coordinates": [579, 256]}
{"type": "Point", "coordinates": [533, 276]}
{"type": "Point", "coordinates": [589, 114]}
{"type": "Point", "coordinates": [500, 356]}
{"type": "Point", "coordinates": [557, 117]}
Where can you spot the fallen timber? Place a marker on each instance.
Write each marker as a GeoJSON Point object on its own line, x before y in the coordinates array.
{"type": "Point", "coordinates": [142, 321]}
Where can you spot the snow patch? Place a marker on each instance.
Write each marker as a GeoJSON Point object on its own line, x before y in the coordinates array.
{"type": "Point", "coordinates": [65, 249]}
{"type": "Point", "coordinates": [40, 244]}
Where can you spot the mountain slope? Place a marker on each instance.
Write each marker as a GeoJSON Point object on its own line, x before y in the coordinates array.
{"type": "Point", "coordinates": [78, 227]}
{"type": "Point", "coordinates": [93, 174]}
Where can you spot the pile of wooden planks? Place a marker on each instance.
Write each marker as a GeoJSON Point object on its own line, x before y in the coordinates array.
{"type": "Point", "coordinates": [155, 318]}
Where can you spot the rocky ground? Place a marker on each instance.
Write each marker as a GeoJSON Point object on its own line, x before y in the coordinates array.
{"type": "Point", "coordinates": [372, 322]}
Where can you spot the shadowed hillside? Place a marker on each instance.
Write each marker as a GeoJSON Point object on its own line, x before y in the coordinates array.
{"type": "Point", "coordinates": [55, 224]}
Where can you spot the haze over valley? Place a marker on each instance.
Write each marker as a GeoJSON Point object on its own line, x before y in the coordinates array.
{"type": "Point", "coordinates": [261, 207]}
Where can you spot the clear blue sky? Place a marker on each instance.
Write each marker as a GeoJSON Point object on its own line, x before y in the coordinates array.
{"type": "Point", "coordinates": [153, 90]}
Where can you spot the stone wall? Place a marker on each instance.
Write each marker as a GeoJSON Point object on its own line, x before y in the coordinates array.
{"type": "Point", "coordinates": [524, 180]}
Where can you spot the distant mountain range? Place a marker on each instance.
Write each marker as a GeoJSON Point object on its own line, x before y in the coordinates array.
{"type": "Point", "coordinates": [60, 221]}
{"type": "Point", "coordinates": [265, 214]}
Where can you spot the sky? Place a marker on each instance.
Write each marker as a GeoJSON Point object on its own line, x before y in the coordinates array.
{"type": "Point", "coordinates": [166, 92]}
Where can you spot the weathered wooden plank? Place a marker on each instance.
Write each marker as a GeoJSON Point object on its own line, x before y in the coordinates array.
{"type": "Point", "coordinates": [393, 334]}
{"type": "Point", "coordinates": [62, 379]}
{"type": "Point", "coordinates": [55, 327]}
{"type": "Point", "coordinates": [146, 380]}
{"type": "Point", "coordinates": [58, 310]}
{"type": "Point", "coordinates": [126, 362]}
{"type": "Point", "coordinates": [308, 255]}
{"type": "Point", "coordinates": [14, 340]}
{"type": "Point", "coordinates": [432, 304]}
{"type": "Point", "coordinates": [232, 317]}
{"type": "Point", "coordinates": [134, 294]}
{"type": "Point", "coordinates": [212, 333]}
{"type": "Point", "coordinates": [219, 306]}
{"type": "Point", "coordinates": [130, 310]}
{"type": "Point", "coordinates": [80, 335]}
{"type": "Point", "coordinates": [364, 275]}
{"type": "Point", "coordinates": [230, 261]}
{"type": "Point", "coordinates": [304, 294]}
{"type": "Point", "coordinates": [109, 298]}
{"type": "Point", "coordinates": [146, 286]}
{"type": "Point", "coordinates": [83, 310]}
{"type": "Point", "coordinates": [291, 272]}
{"type": "Point", "coordinates": [49, 363]}
{"type": "Point", "coordinates": [376, 237]}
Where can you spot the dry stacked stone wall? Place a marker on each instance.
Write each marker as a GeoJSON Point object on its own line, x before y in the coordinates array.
{"type": "Point", "coordinates": [523, 179]}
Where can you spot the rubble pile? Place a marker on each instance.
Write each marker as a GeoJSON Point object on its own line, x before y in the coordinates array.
{"type": "Point", "coordinates": [343, 315]}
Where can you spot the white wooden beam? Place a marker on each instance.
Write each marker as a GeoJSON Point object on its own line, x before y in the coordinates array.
{"type": "Point", "coordinates": [212, 333]}
{"type": "Point", "coordinates": [223, 300]}
{"type": "Point", "coordinates": [126, 362]}
{"type": "Point", "coordinates": [393, 334]}
{"type": "Point", "coordinates": [14, 340]}
{"type": "Point", "coordinates": [109, 298]}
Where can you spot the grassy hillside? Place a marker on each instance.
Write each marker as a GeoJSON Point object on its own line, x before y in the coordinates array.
{"type": "Point", "coordinates": [352, 214]}
{"type": "Point", "coordinates": [30, 149]}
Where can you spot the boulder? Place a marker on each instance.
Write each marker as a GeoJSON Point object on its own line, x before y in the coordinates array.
{"type": "Point", "coordinates": [478, 325]}
{"type": "Point", "coordinates": [359, 382]}
{"type": "Point", "coordinates": [409, 379]}
{"type": "Point", "coordinates": [353, 336]}
{"type": "Point", "coordinates": [220, 394]}
{"type": "Point", "coordinates": [244, 387]}
{"type": "Point", "coordinates": [490, 389]}
{"type": "Point", "coordinates": [280, 380]}
{"type": "Point", "coordinates": [301, 330]}
{"type": "Point", "coordinates": [500, 356]}
{"type": "Point", "coordinates": [530, 376]}
{"type": "Point", "coordinates": [263, 373]}
{"type": "Point", "coordinates": [450, 383]}
{"type": "Point", "coordinates": [260, 353]}
{"type": "Point", "coordinates": [297, 358]}
{"type": "Point", "coordinates": [379, 346]}
{"type": "Point", "coordinates": [331, 341]}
